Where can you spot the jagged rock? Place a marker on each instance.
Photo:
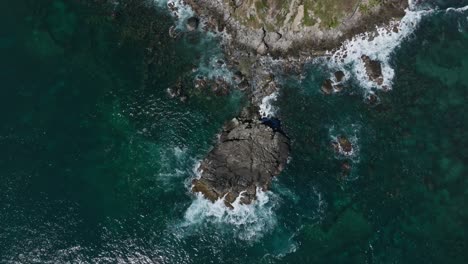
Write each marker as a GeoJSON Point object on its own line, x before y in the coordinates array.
{"type": "Point", "coordinates": [343, 146]}
{"type": "Point", "coordinates": [192, 23]}
{"type": "Point", "coordinates": [248, 155]}
{"type": "Point", "coordinates": [373, 69]}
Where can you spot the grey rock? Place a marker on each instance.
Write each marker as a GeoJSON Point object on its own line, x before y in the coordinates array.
{"type": "Point", "coordinates": [248, 155]}
{"type": "Point", "coordinates": [373, 69]}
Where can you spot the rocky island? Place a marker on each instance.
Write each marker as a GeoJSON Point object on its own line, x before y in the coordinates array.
{"type": "Point", "coordinates": [260, 38]}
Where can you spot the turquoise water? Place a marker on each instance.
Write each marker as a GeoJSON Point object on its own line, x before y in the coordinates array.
{"type": "Point", "coordinates": [96, 159]}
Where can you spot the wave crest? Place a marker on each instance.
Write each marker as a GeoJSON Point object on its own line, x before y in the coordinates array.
{"type": "Point", "coordinates": [249, 222]}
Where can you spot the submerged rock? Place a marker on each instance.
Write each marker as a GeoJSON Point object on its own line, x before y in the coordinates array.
{"type": "Point", "coordinates": [248, 155]}
{"type": "Point", "coordinates": [174, 32]}
{"type": "Point", "coordinates": [327, 86]}
{"type": "Point", "coordinates": [346, 167]}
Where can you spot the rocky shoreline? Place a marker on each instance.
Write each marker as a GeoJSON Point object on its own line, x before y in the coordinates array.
{"type": "Point", "coordinates": [293, 37]}
{"type": "Point", "coordinates": [252, 148]}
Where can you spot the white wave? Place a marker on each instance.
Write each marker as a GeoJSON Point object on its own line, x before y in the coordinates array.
{"type": "Point", "coordinates": [266, 107]}
{"type": "Point", "coordinates": [212, 69]}
{"type": "Point", "coordinates": [351, 133]}
{"type": "Point", "coordinates": [378, 45]}
{"type": "Point", "coordinates": [249, 222]}
{"type": "Point", "coordinates": [180, 10]}
{"type": "Point", "coordinates": [197, 171]}
{"type": "Point", "coordinates": [459, 10]}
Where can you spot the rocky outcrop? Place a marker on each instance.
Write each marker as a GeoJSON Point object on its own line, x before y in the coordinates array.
{"type": "Point", "coordinates": [250, 152]}
{"type": "Point", "coordinates": [373, 69]}
{"type": "Point", "coordinates": [192, 23]}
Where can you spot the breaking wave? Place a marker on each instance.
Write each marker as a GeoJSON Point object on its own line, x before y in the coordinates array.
{"type": "Point", "coordinates": [378, 45]}
{"type": "Point", "coordinates": [248, 222]}
{"type": "Point", "coordinates": [266, 107]}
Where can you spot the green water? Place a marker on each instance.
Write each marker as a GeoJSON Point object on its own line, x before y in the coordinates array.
{"type": "Point", "coordinates": [95, 158]}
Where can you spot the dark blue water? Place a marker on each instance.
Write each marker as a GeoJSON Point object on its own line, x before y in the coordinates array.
{"type": "Point", "coordinates": [96, 158]}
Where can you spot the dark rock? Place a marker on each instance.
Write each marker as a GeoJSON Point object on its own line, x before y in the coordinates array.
{"type": "Point", "coordinates": [244, 85]}
{"type": "Point", "coordinates": [373, 69]}
{"type": "Point", "coordinates": [248, 155]}
{"type": "Point", "coordinates": [327, 86]}
{"type": "Point", "coordinates": [192, 23]}
{"type": "Point", "coordinates": [238, 76]}
{"type": "Point", "coordinates": [342, 146]}
{"type": "Point", "coordinates": [345, 144]}
{"type": "Point", "coordinates": [372, 99]}
{"type": "Point", "coordinates": [339, 75]}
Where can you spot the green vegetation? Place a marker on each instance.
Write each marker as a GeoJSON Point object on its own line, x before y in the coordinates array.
{"type": "Point", "coordinates": [329, 12]}
{"type": "Point", "coordinates": [272, 14]}
{"type": "Point", "coordinates": [365, 8]}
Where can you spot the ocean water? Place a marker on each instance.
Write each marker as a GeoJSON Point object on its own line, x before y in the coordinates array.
{"type": "Point", "coordinates": [96, 159]}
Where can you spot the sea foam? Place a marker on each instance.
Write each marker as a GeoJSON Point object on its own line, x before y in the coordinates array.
{"type": "Point", "coordinates": [249, 222]}
{"type": "Point", "coordinates": [377, 45]}
{"type": "Point", "coordinates": [180, 10]}
{"type": "Point", "coordinates": [267, 109]}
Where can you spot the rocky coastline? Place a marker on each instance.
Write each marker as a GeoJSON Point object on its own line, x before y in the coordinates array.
{"type": "Point", "coordinates": [250, 150]}
{"type": "Point", "coordinates": [290, 35]}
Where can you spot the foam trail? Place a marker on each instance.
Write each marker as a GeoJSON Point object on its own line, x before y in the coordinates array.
{"type": "Point", "coordinates": [378, 45]}
{"type": "Point", "coordinates": [266, 107]}
{"type": "Point", "coordinates": [249, 222]}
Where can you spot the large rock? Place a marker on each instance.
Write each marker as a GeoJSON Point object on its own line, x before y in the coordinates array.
{"type": "Point", "coordinates": [248, 155]}
{"type": "Point", "coordinates": [373, 69]}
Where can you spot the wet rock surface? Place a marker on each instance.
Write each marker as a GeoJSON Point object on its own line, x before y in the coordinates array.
{"type": "Point", "coordinates": [248, 155]}
{"type": "Point", "coordinates": [339, 75]}
{"type": "Point", "coordinates": [373, 69]}
{"type": "Point", "coordinates": [192, 23]}
{"type": "Point", "coordinates": [327, 86]}
{"type": "Point", "coordinates": [342, 145]}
